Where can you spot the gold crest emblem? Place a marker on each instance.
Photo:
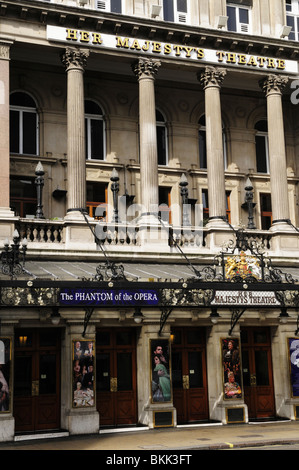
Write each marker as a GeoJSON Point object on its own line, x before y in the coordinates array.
{"type": "Point", "coordinates": [242, 265]}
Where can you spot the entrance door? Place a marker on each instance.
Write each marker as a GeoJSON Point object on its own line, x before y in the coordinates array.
{"type": "Point", "coordinates": [37, 380]}
{"type": "Point", "coordinates": [257, 372]}
{"type": "Point", "coordinates": [116, 377]}
{"type": "Point", "coordinates": [189, 378]}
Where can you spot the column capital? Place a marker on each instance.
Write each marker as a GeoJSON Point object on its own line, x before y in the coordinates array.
{"type": "Point", "coordinates": [273, 84]}
{"type": "Point", "coordinates": [146, 67]}
{"type": "Point", "coordinates": [211, 77]}
{"type": "Point", "coordinates": [5, 45]}
{"type": "Point", "coordinates": [74, 58]}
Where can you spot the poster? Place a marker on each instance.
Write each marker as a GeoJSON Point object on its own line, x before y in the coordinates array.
{"type": "Point", "coordinates": [83, 373]}
{"type": "Point", "coordinates": [5, 374]}
{"type": "Point", "coordinates": [231, 368]}
{"type": "Point", "coordinates": [160, 370]}
{"type": "Point", "coordinates": [293, 345]}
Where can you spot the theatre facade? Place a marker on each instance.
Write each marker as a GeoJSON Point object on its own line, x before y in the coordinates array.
{"type": "Point", "coordinates": [148, 214]}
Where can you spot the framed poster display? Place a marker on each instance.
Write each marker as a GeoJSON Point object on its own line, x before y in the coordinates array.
{"type": "Point", "coordinates": [293, 348]}
{"type": "Point", "coordinates": [83, 386]}
{"type": "Point", "coordinates": [231, 367]}
{"type": "Point", "coordinates": [5, 374]}
{"type": "Point", "coordinates": [160, 375]}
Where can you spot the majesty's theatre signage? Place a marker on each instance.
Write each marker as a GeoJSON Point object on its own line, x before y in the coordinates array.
{"type": "Point", "coordinates": [167, 50]}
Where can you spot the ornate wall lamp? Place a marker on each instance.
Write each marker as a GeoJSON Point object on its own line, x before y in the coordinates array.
{"type": "Point", "coordinates": [138, 315]}
{"type": "Point", "coordinates": [249, 204]}
{"type": "Point", "coordinates": [184, 193]}
{"type": "Point", "coordinates": [39, 182]}
{"type": "Point", "coordinates": [114, 178]}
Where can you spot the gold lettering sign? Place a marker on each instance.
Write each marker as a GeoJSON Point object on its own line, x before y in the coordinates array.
{"type": "Point", "coordinates": [175, 50]}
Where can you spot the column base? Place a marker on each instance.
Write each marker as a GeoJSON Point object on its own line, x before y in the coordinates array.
{"type": "Point", "coordinates": [281, 225]}
{"type": "Point", "coordinates": [152, 234]}
{"type": "Point", "coordinates": [217, 222]}
{"type": "Point", "coordinates": [80, 422]}
{"type": "Point", "coordinates": [7, 428]}
{"type": "Point", "coordinates": [78, 235]}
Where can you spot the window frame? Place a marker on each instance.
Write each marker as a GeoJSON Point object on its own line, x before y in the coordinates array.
{"type": "Point", "coordinates": [88, 118]}
{"type": "Point", "coordinates": [162, 125]}
{"type": "Point", "coordinates": [108, 6]}
{"type": "Point", "coordinates": [21, 110]}
{"type": "Point", "coordinates": [176, 15]}
{"type": "Point", "coordinates": [293, 13]}
{"type": "Point", "coordinates": [263, 134]}
{"type": "Point", "coordinates": [239, 24]}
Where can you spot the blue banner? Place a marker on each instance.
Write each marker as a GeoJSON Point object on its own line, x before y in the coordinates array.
{"type": "Point", "coordinates": [108, 297]}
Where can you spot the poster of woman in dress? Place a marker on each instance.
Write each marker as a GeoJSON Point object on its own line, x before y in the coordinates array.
{"type": "Point", "coordinates": [83, 373]}
{"type": "Point", "coordinates": [5, 373]}
{"type": "Point", "coordinates": [231, 368]}
{"type": "Point", "coordinates": [293, 344]}
{"type": "Point", "coordinates": [160, 370]}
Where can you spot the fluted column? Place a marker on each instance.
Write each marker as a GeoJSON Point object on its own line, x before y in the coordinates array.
{"type": "Point", "coordinates": [75, 61]}
{"type": "Point", "coordinates": [145, 70]}
{"type": "Point", "coordinates": [273, 86]}
{"type": "Point", "coordinates": [4, 129]}
{"type": "Point", "coordinates": [211, 80]}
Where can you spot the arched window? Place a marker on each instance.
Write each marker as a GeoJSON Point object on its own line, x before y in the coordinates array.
{"type": "Point", "coordinates": [203, 146]}
{"type": "Point", "coordinates": [23, 124]}
{"type": "Point", "coordinates": [161, 139]}
{"type": "Point", "coordinates": [94, 131]}
{"type": "Point", "coordinates": [261, 145]}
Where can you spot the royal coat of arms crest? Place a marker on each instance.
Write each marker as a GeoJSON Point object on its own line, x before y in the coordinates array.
{"type": "Point", "coordinates": [242, 265]}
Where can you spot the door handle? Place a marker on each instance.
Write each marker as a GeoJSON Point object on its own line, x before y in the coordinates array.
{"type": "Point", "coordinates": [252, 380]}
{"type": "Point", "coordinates": [35, 388]}
{"type": "Point", "coordinates": [113, 384]}
{"type": "Point", "coordinates": [186, 382]}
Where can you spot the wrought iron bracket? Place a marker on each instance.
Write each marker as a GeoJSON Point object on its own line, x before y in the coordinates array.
{"type": "Point", "coordinates": [88, 314]}
{"type": "Point", "coordinates": [236, 315]}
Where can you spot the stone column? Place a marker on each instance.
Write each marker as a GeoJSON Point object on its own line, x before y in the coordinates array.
{"type": "Point", "coordinates": [211, 79]}
{"type": "Point", "coordinates": [4, 128]}
{"type": "Point", "coordinates": [6, 214]}
{"type": "Point", "coordinates": [75, 61]}
{"type": "Point", "coordinates": [273, 86]}
{"type": "Point", "coordinates": [145, 70]}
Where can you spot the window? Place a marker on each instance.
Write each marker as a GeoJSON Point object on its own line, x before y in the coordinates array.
{"type": "Point", "coordinates": [164, 204]}
{"type": "Point", "coordinates": [96, 196]}
{"type": "Point", "coordinates": [175, 11]}
{"type": "Point", "coordinates": [113, 6]}
{"type": "Point", "coordinates": [94, 131]}
{"type": "Point", "coordinates": [161, 139]}
{"type": "Point", "coordinates": [266, 211]}
{"type": "Point", "coordinates": [205, 204]}
{"type": "Point", "coordinates": [292, 11]}
{"type": "Point", "coordinates": [261, 145]}
{"type": "Point", "coordinates": [238, 19]}
{"type": "Point", "coordinates": [23, 196]}
{"type": "Point", "coordinates": [203, 146]}
{"type": "Point", "coordinates": [23, 124]}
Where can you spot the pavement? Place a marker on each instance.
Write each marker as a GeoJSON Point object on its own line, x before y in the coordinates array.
{"type": "Point", "coordinates": [182, 439]}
